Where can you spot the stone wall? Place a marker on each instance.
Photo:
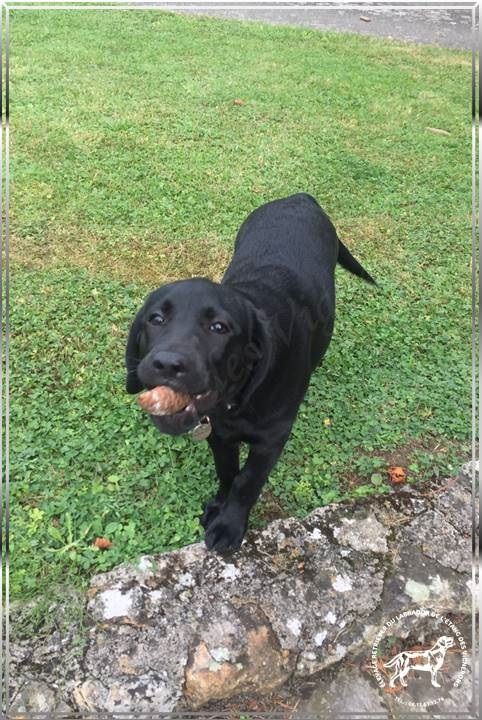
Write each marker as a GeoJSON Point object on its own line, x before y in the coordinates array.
{"type": "Point", "coordinates": [302, 600]}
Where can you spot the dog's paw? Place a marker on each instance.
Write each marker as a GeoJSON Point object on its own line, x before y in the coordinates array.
{"type": "Point", "coordinates": [225, 532]}
{"type": "Point", "coordinates": [211, 510]}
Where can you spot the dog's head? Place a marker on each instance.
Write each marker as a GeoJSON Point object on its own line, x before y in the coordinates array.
{"type": "Point", "coordinates": [200, 338]}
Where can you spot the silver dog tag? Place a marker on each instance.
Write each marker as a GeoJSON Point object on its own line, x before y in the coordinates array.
{"type": "Point", "coordinates": [202, 429]}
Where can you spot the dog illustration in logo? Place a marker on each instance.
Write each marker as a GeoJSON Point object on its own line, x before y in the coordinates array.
{"type": "Point", "coordinates": [427, 660]}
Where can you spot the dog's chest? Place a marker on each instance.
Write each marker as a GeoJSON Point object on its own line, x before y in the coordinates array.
{"type": "Point", "coordinates": [233, 428]}
{"type": "Point", "coordinates": [252, 426]}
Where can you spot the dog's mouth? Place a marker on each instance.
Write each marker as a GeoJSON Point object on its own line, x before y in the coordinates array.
{"type": "Point", "coordinates": [201, 402]}
{"type": "Point", "coordinates": [187, 418]}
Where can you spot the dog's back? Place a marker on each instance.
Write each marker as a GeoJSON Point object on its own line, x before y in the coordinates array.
{"type": "Point", "coordinates": [290, 237]}
{"type": "Point", "coordinates": [286, 252]}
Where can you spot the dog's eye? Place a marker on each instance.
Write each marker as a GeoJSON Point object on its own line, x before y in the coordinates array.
{"type": "Point", "coordinates": [218, 327]}
{"type": "Point", "coordinates": [156, 319]}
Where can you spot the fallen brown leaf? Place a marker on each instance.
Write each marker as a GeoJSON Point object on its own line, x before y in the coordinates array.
{"type": "Point", "coordinates": [397, 474]}
{"type": "Point", "coordinates": [102, 543]}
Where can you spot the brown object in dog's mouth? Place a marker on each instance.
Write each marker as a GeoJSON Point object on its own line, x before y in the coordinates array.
{"type": "Point", "coordinates": [163, 400]}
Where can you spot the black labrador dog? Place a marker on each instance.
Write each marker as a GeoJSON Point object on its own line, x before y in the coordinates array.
{"type": "Point", "coordinates": [244, 349]}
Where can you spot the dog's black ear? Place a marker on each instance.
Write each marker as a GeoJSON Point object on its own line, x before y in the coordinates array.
{"type": "Point", "coordinates": [133, 351]}
{"type": "Point", "coordinates": [259, 351]}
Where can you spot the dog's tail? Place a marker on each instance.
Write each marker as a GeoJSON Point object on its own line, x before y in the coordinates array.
{"type": "Point", "coordinates": [346, 260]}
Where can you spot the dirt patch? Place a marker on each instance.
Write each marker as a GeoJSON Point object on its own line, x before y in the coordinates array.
{"type": "Point", "coordinates": [146, 259]}
{"type": "Point", "coordinates": [436, 450]}
{"type": "Point", "coordinates": [268, 508]}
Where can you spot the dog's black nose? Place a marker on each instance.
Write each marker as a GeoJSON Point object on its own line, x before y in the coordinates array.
{"type": "Point", "coordinates": [171, 364]}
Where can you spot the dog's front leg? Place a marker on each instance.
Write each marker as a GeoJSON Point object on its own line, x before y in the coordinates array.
{"type": "Point", "coordinates": [226, 530]}
{"type": "Point", "coordinates": [226, 460]}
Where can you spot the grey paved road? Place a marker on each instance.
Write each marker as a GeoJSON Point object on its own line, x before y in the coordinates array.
{"type": "Point", "coordinates": [448, 27]}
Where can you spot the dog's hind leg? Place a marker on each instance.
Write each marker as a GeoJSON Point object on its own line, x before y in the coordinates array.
{"type": "Point", "coordinates": [433, 673]}
{"type": "Point", "coordinates": [403, 675]}
{"type": "Point", "coordinates": [393, 679]}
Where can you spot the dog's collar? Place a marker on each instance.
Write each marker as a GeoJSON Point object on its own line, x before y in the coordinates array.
{"type": "Point", "coordinates": [204, 428]}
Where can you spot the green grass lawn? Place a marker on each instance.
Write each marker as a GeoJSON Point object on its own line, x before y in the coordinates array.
{"type": "Point", "coordinates": [131, 166]}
